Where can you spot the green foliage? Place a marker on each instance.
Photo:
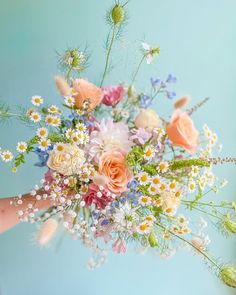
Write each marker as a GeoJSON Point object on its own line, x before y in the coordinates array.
{"type": "Point", "coordinates": [187, 163]}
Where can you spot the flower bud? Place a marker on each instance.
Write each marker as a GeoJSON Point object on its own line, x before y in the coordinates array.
{"type": "Point", "coordinates": [117, 14]}
{"type": "Point", "coordinates": [62, 86]}
{"type": "Point", "coordinates": [152, 239]}
{"type": "Point", "coordinates": [228, 275]}
{"type": "Point", "coordinates": [230, 225]}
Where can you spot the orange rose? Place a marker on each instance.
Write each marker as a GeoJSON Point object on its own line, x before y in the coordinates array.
{"type": "Point", "coordinates": [86, 91]}
{"type": "Point", "coordinates": [182, 132]}
{"type": "Point", "coordinates": [114, 167]}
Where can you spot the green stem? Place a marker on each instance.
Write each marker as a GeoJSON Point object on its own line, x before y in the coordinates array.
{"type": "Point", "coordinates": [137, 70]}
{"type": "Point", "coordinates": [108, 54]}
{"type": "Point", "coordinates": [189, 243]}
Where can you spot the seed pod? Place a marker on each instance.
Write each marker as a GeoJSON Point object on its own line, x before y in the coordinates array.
{"type": "Point", "coordinates": [117, 14]}
{"type": "Point", "coordinates": [230, 225]}
{"type": "Point", "coordinates": [152, 239]}
{"type": "Point", "coordinates": [228, 275]}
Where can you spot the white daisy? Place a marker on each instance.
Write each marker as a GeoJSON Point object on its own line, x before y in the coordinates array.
{"type": "Point", "coordinates": [69, 101]}
{"type": "Point", "coordinates": [150, 219]}
{"type": "Point", "coordinates": [59, 147]}
{"type": "Point", "coordinates": [35, 117]}
{"type": "Point", "coordinates": [191, 186]}
{"type": "Point", "coordinates": [143, 178]}
{"type": "Point", "coordinates": [145, 200]}
{"type": "Point", "coordinates": [42, 132]}
{"type": "Point", "coordinates": [6, 156]}
{"type": "Point", "coordinates": [163, 167]}
{"type": "Point", "coordinates": [21, 147]}
{"type": "Point", "coordinates": [69, 133]}
{"type": "Point", "coordinates": [53, 109]}
{"type": "Point", "coordinates": [44, 144]}
{"type": "Point", "coordinates": [143, 228]}
{"type": "Point", "coordinates": [149, 152]}
{"type": "Point", "coordinates": [37, 100]}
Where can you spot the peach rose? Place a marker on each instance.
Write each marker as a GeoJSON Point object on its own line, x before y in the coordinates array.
{"type": "Point", "coordinates": [147, 119]}
{"type": "Point", "coordinates": [68, 161]}
{"type": "Point", "coordinates": [86, 91]}
{"type": "Point", "coordinates": [182, 132]}
{"type": "Point", "coordinates": [113, 166]}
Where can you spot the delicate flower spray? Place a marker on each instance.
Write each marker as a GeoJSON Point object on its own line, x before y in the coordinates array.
{"type": "Point", "coordinates": [129, 178]}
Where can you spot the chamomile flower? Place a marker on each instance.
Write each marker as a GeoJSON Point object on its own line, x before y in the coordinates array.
{"type": "Point", "coordinates": [6, 156]}
{"type": "Point", "coordinates": [80, 112]}
{"type": "Point", "coordinates": [81, 127]}
{"type": "Point", "coordinates": [21, 147]}
{"type": "Point", "coordinates": [145, 200]}
{"type": "Point", "coordinates": [158, 202]}
{"type": "Point", "coordinates": [143, 178]}
{"type": "Point", "coordinates": [42, 132]}
{"type": "Point", "coordinates": [56, 121]}
{"type": "Point", "coordinates": [69, 133]}
{"type": "Point", "coordinates": [150, 219]}
{"type": "Point", "coordinates": [85, 175]}
{"type": "Point", "coordinates": [194, 171]}
{"type": "Point", "coordinates": [191, 186]}
{"type": "Point", "coordinates": [149, 152]}
{"type": "Point", "coordinates": [35, 117]}
{"type": "Point", "coordinates": [169, 211]}
{"type": "Point", "coordinates": [59, 147]}
{"type": "Point", "coordinates": [144, 228]}
{"type": "Point", "coordinates": [83, 189]}
{"type": "Point", "coordinates": [172, 185]}
{"type": "Point", "coordinates": [163, 167]}
{"type": "Point", "coordinates": [49, 119]}
{"type": "Point", "coordinates": [86, 138]}
{"type": "Point", "coordinates": [159, 132]}
{"type": "Point", "coordinates": [37, 100]}
{"type": "Point", "coordinates": [53, 109]}
{"type": "Point", "coordinates": [153, 190]}
{"type": "Point", "coordinates": [156, 180]}
{"type": "Point", "coordinates": [69, 101]}
{"type": "Point", "coordinates": [181, 219]}
{"type": "Point", "coordinates": [44, 144]}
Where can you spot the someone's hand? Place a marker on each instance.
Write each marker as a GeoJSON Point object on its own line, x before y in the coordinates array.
{"type": "Point", "coordinates": [8, 213]}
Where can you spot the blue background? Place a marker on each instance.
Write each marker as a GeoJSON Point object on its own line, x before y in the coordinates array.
{"type": "Point", "coordinates": [198, 45]}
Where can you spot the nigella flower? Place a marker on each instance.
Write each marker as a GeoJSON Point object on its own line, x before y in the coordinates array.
{"type": "Point", "coordinates": [170, 94]}
{"type": "Point", "coordinates": [149, 52]}
{"type": "Point", "coordinates": [145, 101]}
{"type": "Point", "coordinates": [132, 185]}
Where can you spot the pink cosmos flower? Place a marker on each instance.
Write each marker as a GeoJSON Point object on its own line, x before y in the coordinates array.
{"type": "Point", "coordinates": [119, 247]}
{"type": "Point", "coordinates": [94, 196]}
{"type": "Point", "coordinates": [108, 137]}
{"type": "Point", "coordinates": [104, 232]}
{"type": "Point", "coordinates": [112, 95]}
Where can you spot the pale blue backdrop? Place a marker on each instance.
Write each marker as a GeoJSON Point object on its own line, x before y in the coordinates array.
{"type": "Point", "coordinates": [198, 44]}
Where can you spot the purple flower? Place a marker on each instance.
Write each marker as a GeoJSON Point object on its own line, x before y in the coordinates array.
{"type": "Point", "coordinates": [155, 82]}
{"type": "Point", "coordinates": [141, 135]}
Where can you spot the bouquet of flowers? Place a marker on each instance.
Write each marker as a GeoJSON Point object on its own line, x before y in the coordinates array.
{"type": "Point", "coordinates": [118, 174]}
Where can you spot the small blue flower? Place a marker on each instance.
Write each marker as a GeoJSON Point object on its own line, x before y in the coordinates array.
{"type": "Point", "coordinates": [42, 157]}
{"type": "Point", "coordinates": [171, 79]}
{"type": "Point", "coordinates": [105, 222]}
{"type": "Point", "coordinates": [145, 101]}
{"type": "Point", "coordinates": [170, 94]}
{"type": "Point", "coordinates": [122, 200]}
{"type": "Point", "coordinates": [132, 184]}
{"type": "Point", "coordinates": [155, 82]}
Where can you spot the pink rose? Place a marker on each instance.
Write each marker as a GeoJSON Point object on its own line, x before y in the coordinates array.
{"type": "Point", "coordinates": [112, 95]}
{"type": "Point", "coordinates": [113, 166]}
{"type": "Point", "coordinates": [182, 132]}
{"type": "Point", "coordinates": [86, 91]}
{"type": "Point", "coordinates": [94, 196]}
